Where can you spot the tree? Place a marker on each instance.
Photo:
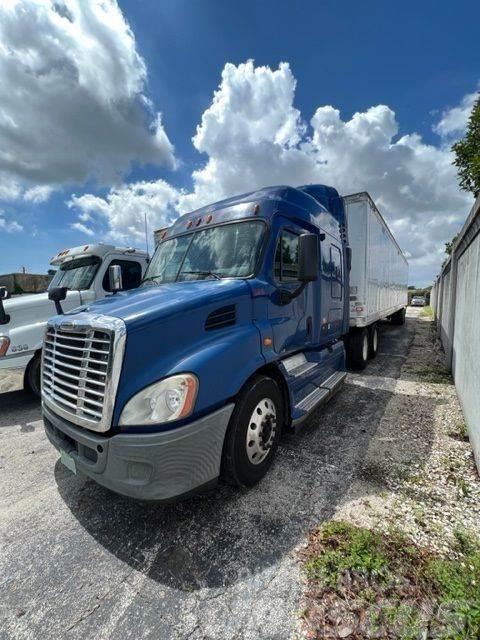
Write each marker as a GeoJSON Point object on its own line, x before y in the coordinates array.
{"type": "Point", "coordinates": [467, 154]}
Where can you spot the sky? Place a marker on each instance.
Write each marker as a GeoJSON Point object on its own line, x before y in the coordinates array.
{"type": "Point", "coordinates": [112, 111]}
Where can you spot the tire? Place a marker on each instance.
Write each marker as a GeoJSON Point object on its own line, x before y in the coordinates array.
{"type": "Point", "coordinates": [399, 317]}
{"type": "Point", "coordinates": [32, 376]}
{"type": "Point", "coordinates": [253, 433]}
{"type": "Point", "coordinates": [359, 349]}
{"type": "Point", "coordinates": [373, 341]}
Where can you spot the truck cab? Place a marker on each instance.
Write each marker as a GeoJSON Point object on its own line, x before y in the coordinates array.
{"type": "Point", "coordinates": [84, 272]}
{"type": "Point", "coordinates": [235, 334]}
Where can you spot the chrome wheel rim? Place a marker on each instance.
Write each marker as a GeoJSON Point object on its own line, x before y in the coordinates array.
{"type": "Point", "coordinates": [261, 431]}
{"type": "Point", "coordinates": [365, 347]}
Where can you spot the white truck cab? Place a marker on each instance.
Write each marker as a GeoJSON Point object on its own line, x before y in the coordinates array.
{"type": "Point", "coordinates": [84, 271]}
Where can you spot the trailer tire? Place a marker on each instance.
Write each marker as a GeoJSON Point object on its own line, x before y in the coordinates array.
{"type": "Point", "coordinates": [359, 348]}
{"type": "Point", "coordinates": [32, 376]}
{"type": "Point", "coordinates": [399, 317]}
{"type": "Point", "coordinates": [373, 341]}
{"type": "Point", "coordinates": [254, 430]}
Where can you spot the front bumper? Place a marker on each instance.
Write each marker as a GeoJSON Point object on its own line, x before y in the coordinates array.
{"type": "Point", "coordinates": [146, 466]}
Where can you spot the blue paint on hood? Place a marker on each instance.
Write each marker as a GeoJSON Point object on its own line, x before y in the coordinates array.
{"type": "Point", "coordinates": [156, 302]}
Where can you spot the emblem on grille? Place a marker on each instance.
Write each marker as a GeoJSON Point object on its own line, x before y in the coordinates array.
{"type": "Point", "coordinates": [67, 325]}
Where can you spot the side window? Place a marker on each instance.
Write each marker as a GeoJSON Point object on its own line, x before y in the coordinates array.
{"type": "Point", "coordinates": [286, 257]}
{"type": "Point", "coordinates": [131, 274]}
{"type": "Point", "coordinates": [336, 272]}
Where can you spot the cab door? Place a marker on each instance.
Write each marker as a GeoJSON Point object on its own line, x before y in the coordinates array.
{"type": "Point", "coordinates": [291, 322]}
{"type": "Point", "coordinates": [333, 290]}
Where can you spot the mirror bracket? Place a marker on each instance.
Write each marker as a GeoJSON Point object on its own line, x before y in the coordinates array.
{"type": "Point", "coordinates": [4, 317]}
{"type": "Point", "coordinates": [57, 294]}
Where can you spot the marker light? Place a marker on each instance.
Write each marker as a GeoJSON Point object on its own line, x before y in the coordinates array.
{"type": "Point", "coordinates": [4, 344]}
{"type": "Point", "coordinates": [164, 401]}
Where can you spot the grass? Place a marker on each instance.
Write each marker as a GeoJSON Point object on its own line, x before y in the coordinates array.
{"type": "Point", "coordinates": [426, 312]}
{"type": "Point", "coordinates": [459, 432]}
{"type": "Point", "coordinates": [436, 374]}
{"type": "Point", "coordinates": [385, 585]}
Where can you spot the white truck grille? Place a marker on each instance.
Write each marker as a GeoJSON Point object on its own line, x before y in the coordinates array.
{"type": "Point", "coordinates": [75, 370]}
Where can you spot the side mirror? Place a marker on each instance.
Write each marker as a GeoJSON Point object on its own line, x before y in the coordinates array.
{"type": "Point", "coordinates": [115, 277]}
{"type": "Point", "coordinates": [308, 257]}
{"type": "Point", "coordinates": [57, 294]}
{"type": "Point", "coordinates": [4, 317]}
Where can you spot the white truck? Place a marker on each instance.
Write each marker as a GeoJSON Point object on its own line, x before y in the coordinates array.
{"type": "Point", "coordinates": [378, 277]}
{"type": "Point", "coordinates": [84, 272]}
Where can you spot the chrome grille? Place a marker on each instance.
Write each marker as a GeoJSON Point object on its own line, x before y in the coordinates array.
{"type": "Point", "coordinates": [75, 371]}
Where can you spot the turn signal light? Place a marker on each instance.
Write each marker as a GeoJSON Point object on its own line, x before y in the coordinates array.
{"type": "Point", "coordinates": [4, 344]}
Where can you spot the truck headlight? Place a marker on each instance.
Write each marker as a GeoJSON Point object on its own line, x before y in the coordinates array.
{"type": "Point", "coordinates": [169, 399]}
{"type": "Point", "coordinates": [4, 344]}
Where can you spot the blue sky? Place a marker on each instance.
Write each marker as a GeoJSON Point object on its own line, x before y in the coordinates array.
{"type": "Point", "coordinates": [419, 59]}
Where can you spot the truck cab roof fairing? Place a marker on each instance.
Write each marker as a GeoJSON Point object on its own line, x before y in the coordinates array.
{"type": "Point", "coordinates": [270, 200]}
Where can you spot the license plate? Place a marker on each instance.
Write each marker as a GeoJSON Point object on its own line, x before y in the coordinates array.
{"type": "Point", "coordinates": [68, 461]}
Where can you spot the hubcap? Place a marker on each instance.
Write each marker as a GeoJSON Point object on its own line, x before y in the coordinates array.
{"type": "Point", "coordinates": [261, 431]}
{"type": "Point", "coordinates": [365, 347]}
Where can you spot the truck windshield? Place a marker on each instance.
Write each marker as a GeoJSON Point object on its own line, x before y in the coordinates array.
{"type": "Point", "coordinates": [230, 250]}
{"type": "Point", "coordinates": [76, 274]}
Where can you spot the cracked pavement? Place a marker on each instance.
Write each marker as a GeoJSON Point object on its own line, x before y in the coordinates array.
{"type": "Point", "coordinates": [78, 561]}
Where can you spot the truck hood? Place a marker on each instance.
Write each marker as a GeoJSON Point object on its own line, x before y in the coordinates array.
{"type": "Point", "coordinates": [35, 309]}
{"type": "Point", "coordinates": [152, 303]}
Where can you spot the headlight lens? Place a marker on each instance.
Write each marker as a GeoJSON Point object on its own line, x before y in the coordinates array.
{"type": "Point", "coordinates": [169, 399]}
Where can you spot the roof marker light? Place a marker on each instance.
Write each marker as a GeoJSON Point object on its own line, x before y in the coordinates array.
{"type": "Point", "coordinates": [85, 247]}
{"type": "Point", "coordinates": [209, 218]}
{"type": "Point", "coordinates": [256, 209]}
{"type": "Point", "coordinates": [198, 222]}
{"type": "Point", "coordinates": [189, 224]}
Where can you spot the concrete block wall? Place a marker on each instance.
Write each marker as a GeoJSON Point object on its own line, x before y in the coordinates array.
{"type": "Point", "coordinates": [456, 306]}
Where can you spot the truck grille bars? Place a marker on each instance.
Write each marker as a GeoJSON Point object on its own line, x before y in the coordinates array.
{"type": "Point", "coordinates": [77, 370]}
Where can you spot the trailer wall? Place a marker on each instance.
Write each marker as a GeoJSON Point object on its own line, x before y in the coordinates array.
{"type": "Point", "coordinates": [379, 274]}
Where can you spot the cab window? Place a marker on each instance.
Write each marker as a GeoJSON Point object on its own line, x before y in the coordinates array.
{"type": "Point", "coordinates": [336, 272]}
{"type": "Point", "coordinates": [131, 274]}
{"type": "Point", "coordinates": [286, 257]}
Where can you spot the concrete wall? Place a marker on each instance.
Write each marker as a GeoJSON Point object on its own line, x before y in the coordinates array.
{"type": "Point", "coordinates": [456, 306]}
{"type": "Point", "coordinates": [25, 282]}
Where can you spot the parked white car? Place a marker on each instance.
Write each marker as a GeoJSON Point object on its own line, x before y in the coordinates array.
{"type": "Point", "coordinates": [84, 271]}
{"type": "Point", "coordinates": [418, 301]}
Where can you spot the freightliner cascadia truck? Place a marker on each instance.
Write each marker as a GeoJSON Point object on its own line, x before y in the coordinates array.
{"type": "Point", "coordinates": [84, 273]}
{"type": "Point", "coordinates": [240, 329]}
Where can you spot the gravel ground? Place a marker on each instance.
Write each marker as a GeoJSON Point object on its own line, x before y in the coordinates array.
{"type": "Point", "coordinates": [418, 476]}
{"type": "Point", "coordinates": [78, 561]}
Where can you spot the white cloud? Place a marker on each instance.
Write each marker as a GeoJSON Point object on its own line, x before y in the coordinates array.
{"type": "Point", "coordinates": [78, 226]}
{"type": "Point", "coordinates": [124, 210]}
{"type": "Point", "coordinates": [72, 103]}
{"type": "Point", "coordinates": [454, 120]}
{"type": "Point", "coordinates": [253, 136]}
{"type": "Point", "coordinates": [37, 194]}
{"type": "Point", "coordinates": [9, 227]}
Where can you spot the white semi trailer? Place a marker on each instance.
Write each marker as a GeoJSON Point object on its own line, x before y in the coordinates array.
{"type": "Point", "coordinates": [378, 277]}
{"type": "Point", "coordinates": [84, 272]}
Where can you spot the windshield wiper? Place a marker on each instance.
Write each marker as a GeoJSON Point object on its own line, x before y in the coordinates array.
{"type": "Point", "coordinates": [203, 273]}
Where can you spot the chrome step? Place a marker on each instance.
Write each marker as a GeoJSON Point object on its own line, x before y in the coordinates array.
{"type": "Point", "coordinates": [335, 379]}
{"type": "Point", "coordinates": [302, 369]}
{"type": "Point", "coordinates": [313, 398]}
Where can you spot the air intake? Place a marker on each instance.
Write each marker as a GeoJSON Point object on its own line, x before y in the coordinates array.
{"type": "Point", "coordinates": [220, 318]}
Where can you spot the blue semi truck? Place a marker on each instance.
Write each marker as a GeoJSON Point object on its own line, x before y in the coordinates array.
{"type": "Point", "coordinates": [240, 329]}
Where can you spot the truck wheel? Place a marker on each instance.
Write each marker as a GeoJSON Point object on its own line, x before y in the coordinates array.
{"type": "Point", "coordinates": [253, 433]}
{"type": "Point", "coordinates": [373, 341]}
{"type": "Point", "coordinates": [32, 376]}
{"type": "Point", "coordinates": [399, 317]}
{"type": "Point", "coordinates": [359, 348]}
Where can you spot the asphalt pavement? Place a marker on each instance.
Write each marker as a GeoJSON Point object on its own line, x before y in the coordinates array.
{"type": "Point", "coordinates": [78, 561]}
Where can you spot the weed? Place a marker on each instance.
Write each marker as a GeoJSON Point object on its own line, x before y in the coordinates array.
{"type": "Point", "coordinates": [435, 374]}
{"type": "Point", "coordinates": [392, 586]}
{"type": "Point", "coordinates": [426, 312]}
{"type": "Point", "coordinates": [459, 432]}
